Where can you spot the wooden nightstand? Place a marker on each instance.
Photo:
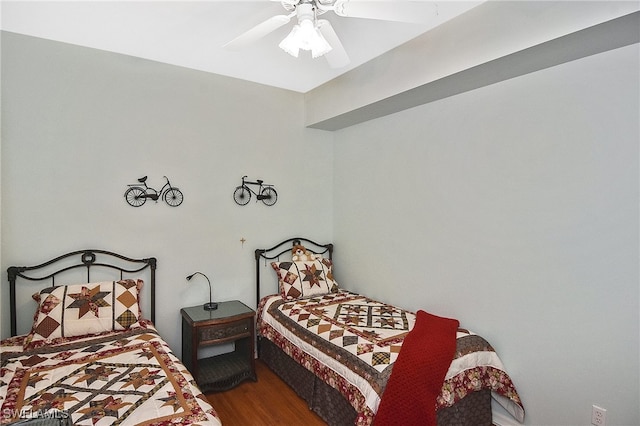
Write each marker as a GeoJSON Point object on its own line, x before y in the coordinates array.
{"type": "Point", "coordinates": [233, 321]}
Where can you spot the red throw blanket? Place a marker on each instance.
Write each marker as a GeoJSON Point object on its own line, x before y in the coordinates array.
{"type": "Point", "coordinates": [418, 373]}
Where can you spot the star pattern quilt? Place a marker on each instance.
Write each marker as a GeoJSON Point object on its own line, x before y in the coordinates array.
{"type": "Point", "coordinates": [351, 342]}
{"type": "Point", "coordinates": [115, 378]}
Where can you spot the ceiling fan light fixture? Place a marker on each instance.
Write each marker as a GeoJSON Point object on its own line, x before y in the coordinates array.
{"type": "Point", "coordinates": [290, 43]}
{"type": "Point", "coordinates": [320, 45]}
{"type": "Point", "coordinates": [305, 35]}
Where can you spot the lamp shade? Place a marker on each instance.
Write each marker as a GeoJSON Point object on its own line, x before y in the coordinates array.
{"type": "Point", "coordinates": [290, 43]}
{"type": "Point", "coordinates": [305, 35]}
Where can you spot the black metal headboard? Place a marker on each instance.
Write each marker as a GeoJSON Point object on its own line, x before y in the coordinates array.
{"type": "Point", "coordinates": [80, 259]}
{"type": "Point", "coordinates": [285, 247]}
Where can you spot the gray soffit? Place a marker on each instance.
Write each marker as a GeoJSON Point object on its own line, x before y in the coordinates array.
{"type": "Point", "coordinates": [613, 34]}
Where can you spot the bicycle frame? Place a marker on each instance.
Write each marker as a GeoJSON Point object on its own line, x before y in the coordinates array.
{"type": "Point", "coordinates": [156, 194]}
{"type": "Point", "coordinates": [138, 193]}
{"type": "Point", "coordinates": [265, 193]}
{"type": "Point", "coordinates": [258, 183]}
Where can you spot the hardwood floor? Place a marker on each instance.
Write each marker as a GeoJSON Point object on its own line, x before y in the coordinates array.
{"type": "Point", "coordinates": [269, 401]}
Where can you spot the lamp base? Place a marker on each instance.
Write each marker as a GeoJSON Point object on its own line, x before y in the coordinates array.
{"type": "Point", "coordinates": [211, 306]}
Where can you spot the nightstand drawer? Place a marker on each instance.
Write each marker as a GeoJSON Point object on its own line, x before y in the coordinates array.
{"type": "Point", "coordinates": [219, 332]}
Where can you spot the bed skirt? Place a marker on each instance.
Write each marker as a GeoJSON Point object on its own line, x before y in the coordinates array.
{"type": "Point", "coordinates": [333, 408]}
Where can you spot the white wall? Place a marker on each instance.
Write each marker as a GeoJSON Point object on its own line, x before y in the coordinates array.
{"type": "Point", "coordinates": [81, 124]}
{"type": "Point", "coordinates": [513, 208]}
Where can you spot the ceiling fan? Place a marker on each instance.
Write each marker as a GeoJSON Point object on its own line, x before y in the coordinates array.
{"type": "Point", "coordinates": [318, 36]}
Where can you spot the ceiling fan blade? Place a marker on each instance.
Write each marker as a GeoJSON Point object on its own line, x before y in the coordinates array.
{"type": "Point", "coordinates": [337, 57]}
{"type": "Point", "coordinates": [400, 11]}
{"type": "Point", "coordinates": [258, 31]}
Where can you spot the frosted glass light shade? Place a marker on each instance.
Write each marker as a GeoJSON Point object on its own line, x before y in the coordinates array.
{"type": "Point", "coordinates": [290, 43]}
{"type": "Point", "coordinates": [305, 36]}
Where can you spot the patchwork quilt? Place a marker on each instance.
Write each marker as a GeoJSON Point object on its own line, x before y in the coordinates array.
{"type": "Point", "coordinates": [351, 342]}
{"type": "Point", "coordinates": [115, 378]}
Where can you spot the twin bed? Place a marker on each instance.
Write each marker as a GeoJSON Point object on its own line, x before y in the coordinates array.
{"type": "Point", "coordinates": [337, 349]}
{"type": "Point", "coordinates": [91, 358]}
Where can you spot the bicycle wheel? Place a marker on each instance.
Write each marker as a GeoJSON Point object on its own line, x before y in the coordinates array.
{"type": "Point", "coordinates": [135, 196]}
{"type": "Point", "coordinates": [269, 196]}
{"type": "Point", "coordinates": [242, 195]}
{"type": "Point", "coordinates": [173, 197]}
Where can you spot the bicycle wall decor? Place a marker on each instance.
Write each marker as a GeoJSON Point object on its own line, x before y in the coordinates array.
{"type": "Point", "coordinates": [138, 193]}
{"type": "Point", "coordinates": [265, 192]}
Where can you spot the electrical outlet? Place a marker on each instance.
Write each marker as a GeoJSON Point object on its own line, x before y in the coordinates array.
{"type": "Point", "coordinates": [598, 416]}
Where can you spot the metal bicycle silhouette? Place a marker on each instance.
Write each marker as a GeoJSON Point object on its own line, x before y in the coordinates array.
{"type": "Point", "coordinates": [265, 193]}
{"type": "Point", "coordinates": [138, 193]}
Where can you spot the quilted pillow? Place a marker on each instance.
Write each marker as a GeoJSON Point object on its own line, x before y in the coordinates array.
{"type": "Point", "coordinates": [80, 309]}
{"type": "Point", "coordinates": [299, 280]}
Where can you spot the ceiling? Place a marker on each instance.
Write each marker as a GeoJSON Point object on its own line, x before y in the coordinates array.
{"type": "Point", "coordinates": [192, 34]}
